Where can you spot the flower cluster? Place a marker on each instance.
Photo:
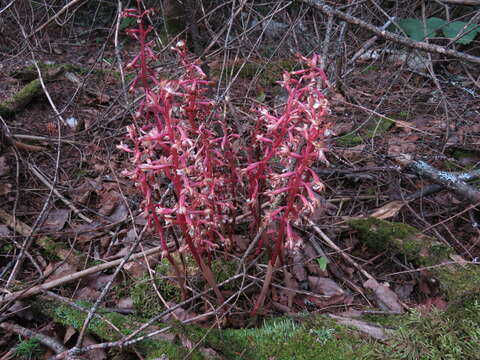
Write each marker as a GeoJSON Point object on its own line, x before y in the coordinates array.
{"type": "Point", "coordinates": [180, 142]}
{"type": "Point", "coordinates": [288, 144]}
{"type": "Point", "coordinates": [173, 142]}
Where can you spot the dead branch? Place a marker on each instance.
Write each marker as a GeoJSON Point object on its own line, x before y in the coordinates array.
{"type": "Point", "coordinates": [448, 180]}
{"type": "Point", "coordinates": [43, 339]}
{"type": "Point", "coordinates": [320, 5]}
{"type": "Point", "coordinates": [75, 276]}
{"type": "Point", "coordinates": [461, 2]}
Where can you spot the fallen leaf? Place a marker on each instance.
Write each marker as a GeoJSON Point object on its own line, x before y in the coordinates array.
{"type": "Point", "coordinates": [5, 188]}
{"type": "Point", "coordinates": [98, 282]}
{"type": "Point", "coordinates": [68, 334]}
{"type": "Point", "coordinates": [87, 293]}
{"type": "Point", "coordinates": [125, 303]}
{"type": "Point", "coordinates": [385, 297]}
{"type": "Point", "coordinates": [388, 210]}
{"type": "Point", "coordinates": [404, 290]}
{"type": "Point", "coordinates": [4, 231]}
{"type": "Point", "coordinates": [59, 269]}
{"type": "Point", "coordinates": [179, 314]}
{"type": "Point", "coordinates": [56, 220]}
{"type": "Point", "coordinates": [4, 167]}
{"type": "Point", "coordinates": [109, 200]}
{"type": "Point", "coordinates": [298, 266]}
{"type": "Point", "coordinates": [82, 193]}
{"type": "Point", "coordinates": [324, 286]}
{"type": "Point", "coordinates": [96, 354]}
{"type": "Point", "coordinates": [120, 213]}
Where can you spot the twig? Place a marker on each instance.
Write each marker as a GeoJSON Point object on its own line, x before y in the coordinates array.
{"type": "Point", "coordinates": [336, 248]}
{"type": "Point", "coordinates": [43, 339]}
{"type": "Point", "coordinates": [54, 17]}
{"type": "Point", "coordinates": [67, 202]}
{"type": "Point", "coordinates": [72, 277]}
{"type": "Point", "coordinates": [420, 45]}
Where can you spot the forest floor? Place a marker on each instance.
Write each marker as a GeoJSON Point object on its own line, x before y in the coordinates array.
{"type": "Point", "coordinates": [64, 198]}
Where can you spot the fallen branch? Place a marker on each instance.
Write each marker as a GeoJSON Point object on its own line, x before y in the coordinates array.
{"type": "Point", "coordinates": [72, 277]}
{"type": "Point", "coordinates": [48, 341]}
{"type": "Point", "coordinates": [451, 181]}
{"type": "Point", "coordinates": [420, 45]}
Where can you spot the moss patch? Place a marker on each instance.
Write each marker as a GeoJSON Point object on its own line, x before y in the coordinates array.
{"type": "Point", "coordinates": [453, 334]}
{"type": "Point", "coordinates": [377, 126]}
{"type": "Point", "coordinates": [456, 280]}
{"type": "Point", "coordinates": [284, 339]}
{"type": "Point", "coordinates": [145, 298]}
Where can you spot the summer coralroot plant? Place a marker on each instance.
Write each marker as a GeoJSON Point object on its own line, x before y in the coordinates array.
{"type": "Point", "coordinates": [173, 140]}
{"type": "Point", "coordinates": [288, 144]}
{"type": "Point", "coordinates": [180, 142]}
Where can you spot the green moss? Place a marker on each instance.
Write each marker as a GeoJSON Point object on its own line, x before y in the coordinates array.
{"type": "Point", "coordinates": [28, 349]}
{"type": "Point", "coordinates": [400, 238]}
{"type": "Point", "coordinates": [283, 339]}
{"type": "Point", "coordinates": [224, 269]}
{"type": "Point", "coordinates": [375, 127]}
{"type": "Point", "coordinates": [453, 334]}
{"type": "Point", "coordinates": [126, 324]}
{"type": "Point", "coordinates": [146, 300]}
{"type": "Point", "coordinates": [456, 280]}
{"type": "Point", "coordinates": [18, 101]}
{"type": "Point", "coordinates": [349, 140]}
{"type": "Point", "coordinates": [370, 68]}
{"type": "Point", "coordinates": [384, 235]}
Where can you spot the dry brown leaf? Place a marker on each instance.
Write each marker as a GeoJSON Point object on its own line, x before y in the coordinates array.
{"type": "Point", "coordinates": [179, 314]}
{"type": "Point", "coordinates": [4, 167]}
{"type": "Point", "coordinates": [98, 282]}
{"type": "Point", "coordinates": [388, 210]}
{"type": "Point", "coordinates": [60, 269]}
{"type": "Point", "coordinates": [109, 200]}
{"type": "Point", "coordinates": [4, 231]}
{"type": "Point", "coordinates": [125, 303]}
{"type": "Point", "coordinates": [56, 220]}
{"type": "Point", "coordinates": [68, 334]}
{"type": "Point", "coordinates": [298, 266]}
{"type": "Point", "coordinates": [385, 297]}
{"type": "Point", "coordinates": [354, 153]}
{"type": "Point", "coordinates": [87, 293]}
{"type": "Point", "coordinates": [324, 286]}
{"type": "Point", "coordinates": [82, 193]}
{"type": "Point", "coordinates": [5, 188]}
{"type": "Point", "coordinates": [97, 354]}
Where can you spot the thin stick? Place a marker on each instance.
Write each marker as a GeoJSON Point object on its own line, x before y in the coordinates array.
{"type": "Point", "coordinates": [75, 276]}
{"type": "Point", "coordinates": [62, 10]}
{"type": "Point", "coordinates": [420, 45]}
{"type": "Point", "coordinates": [336, 248]}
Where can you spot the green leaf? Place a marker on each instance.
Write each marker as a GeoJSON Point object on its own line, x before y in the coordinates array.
{"type": "Point", "coordinates": [453, 29]}
{"type": "Point", "coordinates": [323, 262]}
{"type": "Point", "coordinates": [434, 24]}
{"type": "Point", "coordinates": [415, 30]}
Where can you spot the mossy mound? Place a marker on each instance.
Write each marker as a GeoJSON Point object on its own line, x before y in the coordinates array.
{"type": "Point", "coordinates": [456, 279]}
{"type": "Point", "coordinates": [451, 334]}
